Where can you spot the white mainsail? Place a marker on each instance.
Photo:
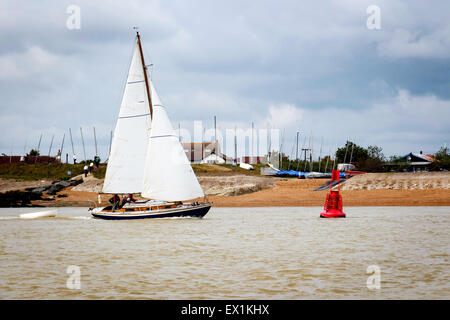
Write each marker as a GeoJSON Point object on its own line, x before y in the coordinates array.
{"type": "Point", "coordinates": [129, 146]}
{"type": "Point", "coordinates": [168, 175]}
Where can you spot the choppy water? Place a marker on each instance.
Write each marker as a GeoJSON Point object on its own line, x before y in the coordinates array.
{"type": "Point", "coordinates": [233, 253]}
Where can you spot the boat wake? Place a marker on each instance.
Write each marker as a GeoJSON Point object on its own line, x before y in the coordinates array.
{"type": "Point", "coordinates": [46, 218]}
{"type": "Point", "coordinates": [73, 218]}
{"type": "Point", "coordinates": [180, 218]}
{"type": "Point", "coordinates": [39, 214]}
{"type": "Point", "coordinates": [9, 217]}
{"type": "Point", "coordinates": [81, 218]}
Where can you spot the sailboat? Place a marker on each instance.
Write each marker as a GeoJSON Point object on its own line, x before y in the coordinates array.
{"type": "Point", "coordinates": [147, 157]}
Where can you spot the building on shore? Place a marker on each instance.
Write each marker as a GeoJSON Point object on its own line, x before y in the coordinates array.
{"type": "Point", "coordinates": [206, 152]}
{"type": "Point", "coordinates": [197, 151]}
{"type": "Point", "coordinates": [218, 159]}
{"type": "Point", "coordinates": [412, 162]}
{"type": "Point", "coordinates": [418, 161]}
{"type": "Point", "coordinates": [254, 160]}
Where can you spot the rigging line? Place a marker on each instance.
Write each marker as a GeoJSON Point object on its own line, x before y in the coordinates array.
{"type": "Point", "coordinates": [133, 82]}
{"type": "Point", "coordinates": [163, 136]}
{"type": "Point", "coordinates": [136, 116]}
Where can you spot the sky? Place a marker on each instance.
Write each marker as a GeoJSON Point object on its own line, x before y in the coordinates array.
{"type": "Point", "coordinates": [313, 67]}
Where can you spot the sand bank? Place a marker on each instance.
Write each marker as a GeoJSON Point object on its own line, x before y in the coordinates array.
{"type": "Point", "coordinates": [377, 189]}
{"type": "Point", "coordinates": [399, 181]}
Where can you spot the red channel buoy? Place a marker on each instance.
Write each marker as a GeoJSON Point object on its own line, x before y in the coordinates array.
{"type": "Point", "coordinates": [333, 203]}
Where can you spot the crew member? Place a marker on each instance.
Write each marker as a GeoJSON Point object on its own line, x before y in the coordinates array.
{"type": "Point", "coordinates": [115, 201]}
{"type": "Point", "coordinates": [130, 198]}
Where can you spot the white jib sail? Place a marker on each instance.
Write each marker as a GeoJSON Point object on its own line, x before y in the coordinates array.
{"type": "Point", "coordinates": [168, 175]}
{"type": "Point", "coordinates": [129, 145]}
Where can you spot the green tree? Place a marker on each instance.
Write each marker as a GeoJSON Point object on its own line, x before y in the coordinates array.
{"type": "Point", "coordinates": [442, 159]}
{"type": "Point", "coordinates": [370, 159]}
{"type": "Point", "coordinates": [344, 153]}
{"type": "Point", "coordinates": [33, 152]}
{"type": "Point", "coordinates": [374, 161]}
{"type": "Point", "coordinates": [374, 152]}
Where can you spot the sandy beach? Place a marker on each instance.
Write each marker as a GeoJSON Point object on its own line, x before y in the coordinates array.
{"type": "Point", "coordinates": [375, 189]}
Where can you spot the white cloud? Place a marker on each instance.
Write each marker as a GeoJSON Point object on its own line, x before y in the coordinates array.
{"type": "Point", "coordinates": [399, 125]}
{"type": "Point", "coordinates": [407, 43]}
{"type": "Point", "coordinates": [284, 115]}
{"type": "Point", "coordinates": [245, 62]}
{"type": "Point", "coordinates": [34, 62]}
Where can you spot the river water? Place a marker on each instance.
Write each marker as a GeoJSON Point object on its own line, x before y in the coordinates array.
{"type": "Point", "coordinates": [232, 253]}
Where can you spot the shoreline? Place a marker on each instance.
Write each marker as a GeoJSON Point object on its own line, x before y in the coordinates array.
{"type": "Point", "coordinates": [232, 191]}
{"type": "Point", "coordinates": [290, 193]}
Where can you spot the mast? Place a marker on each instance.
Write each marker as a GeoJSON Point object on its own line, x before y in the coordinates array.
{"type": "Point", "coordinates": [51, 144]}
{"type": "Point", "coordinates": [215, 140]}
{"type": "Point", "coordinates": [235, 146]}
{"type": "Point", "coordinates": [95, 140]}
{"type": "Point", "coordinates": [351, 153]}
{"type": "Point", "coordinates": [82, 140]}
{"type": "Point", "coordinates": [257, 146]}
{"type": "Point", "coordinates": [215, 136]}
{"type": "Point", "coordinates": [25, 148]}
{"type": "Point", "coordinates": [145, 74]}
{"type": "Point", "coordinates": [320, 154]}
{"type": "Point", "coordinates": [38, 148]}
{"type": "Point", "coordinates": [62, 143]}
{"type": "Point", "coordinates": [71, 141]}
{"type": "Point", "coordinates": [251, 156]}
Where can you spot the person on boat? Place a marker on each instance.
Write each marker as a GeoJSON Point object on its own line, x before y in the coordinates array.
{"type": "Point", "coordinates": [115, 201]}
{"type": "Point", "coordinates": [128, 199]}
{"type": "Point", "coordinates": [85, 169]}
{"type": "Point", "coordinates": [91, 167]}
{"type": "Point", "coordinates": [124, 201]}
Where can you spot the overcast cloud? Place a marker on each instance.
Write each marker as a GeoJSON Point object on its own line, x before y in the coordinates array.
{"type": "Point", "coordinates": [312, 67]}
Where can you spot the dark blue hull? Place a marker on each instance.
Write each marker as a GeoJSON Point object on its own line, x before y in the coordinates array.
{"type": "Point", "coordinates": [197, 212]}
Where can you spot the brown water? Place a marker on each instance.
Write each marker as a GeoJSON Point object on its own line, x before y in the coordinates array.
{"type": "Point", "coordinates": [233, 253]}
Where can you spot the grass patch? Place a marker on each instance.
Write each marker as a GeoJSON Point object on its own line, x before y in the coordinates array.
{"type": "Point", "coordinates": [39, 171]}
{"type": "Point", "coordinates": [100, 172]}
{"type": "Point", "coordinates": [225, 169]}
